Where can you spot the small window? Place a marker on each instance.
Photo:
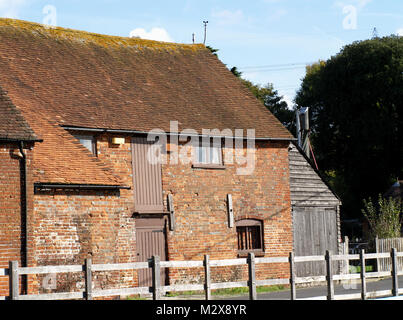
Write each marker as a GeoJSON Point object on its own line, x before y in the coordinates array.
{"type": "Point", "coordinates": [209, 155]}
{"type": "Point", "coordinates": [88, 142]}
{"type": "Point", "coordinates": [250, 236]}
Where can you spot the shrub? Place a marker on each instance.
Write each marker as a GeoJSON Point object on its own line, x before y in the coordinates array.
{"type": "Point", "coordinates": [384, 217]}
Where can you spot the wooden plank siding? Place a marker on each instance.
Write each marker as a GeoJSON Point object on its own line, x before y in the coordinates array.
{"type": "Point", "coordinates": [316, 219]}
{"type": "Point", "coordinates": [385, 246]}
{"type": "Point", "coordinates": [306, 186]}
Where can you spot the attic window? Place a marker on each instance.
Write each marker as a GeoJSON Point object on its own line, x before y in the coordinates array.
{"type": "Point", "coordinates": [209, 156]}
{"type": "Point", "coordinates": [88, 142]}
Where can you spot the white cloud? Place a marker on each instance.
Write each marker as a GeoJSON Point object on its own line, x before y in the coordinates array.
{"type": "Point", "coordinates": [288, 100]}
{"type": "Point", "coordinates": [359, 4]}
{"type": "Point", "coordinates": [277, 15]}
{"type": "Point", "coordinates": [227, 17]}
{"type": "Point", "coordinates": [363, 3]}
{"type": "Point", "coordinates": [271, 1]}
{"type": "Point", "coordinates": [11, 8]}
{"type": "Point", "coordinates": [158, 34]}
{"type": "Point", "coordinates": [400, 32]}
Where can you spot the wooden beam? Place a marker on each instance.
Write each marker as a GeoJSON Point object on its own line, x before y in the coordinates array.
{"type": "Point", "coordinates": [292, 277]}
{"type": "Point", "coordinates": [329, 276]}
{"type": "Point", "coordinates": [363, 277]}
{"type": "Point", "coordinates": [207, 277]}
{"type": "Point", "coordinates": [14, 280]}
{"type": "Point", "coordinates": [252, 276]}
{"type": "Point", "coordinates": [156, 277]}
{"type": "Point", "coordinates": [395, 270]}
{"type": "Point", "coordinates": [88, 279]}
{"type": "Point", "coordinates": [230, 211]}
{"type": "Point", "coordinates": [171, 210]}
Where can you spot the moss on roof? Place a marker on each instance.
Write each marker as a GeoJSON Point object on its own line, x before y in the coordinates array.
{"type": "Point", "coordinates": [99, 39]}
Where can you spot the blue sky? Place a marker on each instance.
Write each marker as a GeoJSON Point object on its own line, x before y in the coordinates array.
{"type": "Point", "coordinates": [269, 40]}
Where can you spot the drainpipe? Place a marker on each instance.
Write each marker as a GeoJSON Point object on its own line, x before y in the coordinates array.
{"type": "Point", "coordinates": [24, 214]}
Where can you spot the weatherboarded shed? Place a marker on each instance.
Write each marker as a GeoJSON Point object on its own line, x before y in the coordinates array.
{"type": "Point", "coordinates": [315, 212]}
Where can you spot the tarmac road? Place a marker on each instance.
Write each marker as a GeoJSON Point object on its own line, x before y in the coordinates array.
{"type": "Point", "coordinates": [304, 293]}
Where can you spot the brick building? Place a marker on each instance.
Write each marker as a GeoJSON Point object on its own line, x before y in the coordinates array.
{"type": "Point", "coordinates": [92, 190]}
{"type": "Point", "coordinates": [17, 140]}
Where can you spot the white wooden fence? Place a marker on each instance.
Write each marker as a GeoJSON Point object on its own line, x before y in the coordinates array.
{"type": "Point", "coordinates": [385, 245]}
{"type": "Point", "coordinates": [157, 289]}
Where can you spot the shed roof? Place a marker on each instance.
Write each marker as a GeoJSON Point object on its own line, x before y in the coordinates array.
{"type": "Point", "coordinates": [307, 186]}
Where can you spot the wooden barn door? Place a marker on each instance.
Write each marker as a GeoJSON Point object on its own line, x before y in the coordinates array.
{"type": "Point", "coordinates": [315, 231]}
{"type": "Point", "coordinates": [147, 178]}
{"type": "Point", "coordinates": [151, 241]}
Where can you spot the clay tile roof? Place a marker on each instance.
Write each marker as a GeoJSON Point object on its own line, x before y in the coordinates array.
{"type": "Point", "coordinates": [61, 159]}
{"type": "Point", "coordinates": [12, 125]}
{"type": "Point", "coordinates": [95, 81]}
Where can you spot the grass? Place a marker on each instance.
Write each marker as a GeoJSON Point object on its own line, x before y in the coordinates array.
{"type": "Point", "coordinates": [137, 297]}
{"type": "Point", "coordinates": [357, 269]}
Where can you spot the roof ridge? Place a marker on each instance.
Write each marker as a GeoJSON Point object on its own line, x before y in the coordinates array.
{"type": "Point", "coordinates": [97, 38]}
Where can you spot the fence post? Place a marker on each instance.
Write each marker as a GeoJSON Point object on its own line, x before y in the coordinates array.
{"type": "Point", "coordinates": [88, 279]}
{"type": "Point", "coordinates": [346, 252]}
{"type": "Point", "coordinates": [329, 275]}
{"type": "Point", "coordinates": [156, 275]}
{"type": "Point", "coordinates": [377, 251]}
{"type": "Point", "coordinates": [252, 276]}
{"type": "Point", "coordinates": [14, 285]}
{"type": "Point", "coordinates": [395, 279]}
{"type": "Point", "coordinates": [292, 277]}
{"type": "Point", "coordinates": [207, 278]}
{"type": "Point", "coordinates": [363, 276]}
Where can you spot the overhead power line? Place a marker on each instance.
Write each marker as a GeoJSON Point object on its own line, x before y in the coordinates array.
{"type": "Point", "coordinates": [276, 66]}
{"type": "Point", "coordinates": [272, 70]}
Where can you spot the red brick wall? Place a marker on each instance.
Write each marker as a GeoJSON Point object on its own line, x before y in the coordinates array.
{"type": "Point", "coordinates": [68, 226]}
{"type": "Point", "coordinates": [71, 225]}
{"type": "Point", "coordinates": [10, 207]}
{"type": "Point", "coordinates": [201, 211]}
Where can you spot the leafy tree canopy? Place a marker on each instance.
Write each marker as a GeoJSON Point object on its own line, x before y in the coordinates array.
{"type": "Point", "coordinates": [356, 106]}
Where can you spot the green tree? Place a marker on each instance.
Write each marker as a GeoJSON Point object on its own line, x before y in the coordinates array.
{"type": "Point", "coordinates": [384, 217]}
{"type": "Point", "coordinates": [271, 99]}
{"type": "Point", "coordinates": [356, 111]}
{"type": "Point", "coordinates": [213, 51]}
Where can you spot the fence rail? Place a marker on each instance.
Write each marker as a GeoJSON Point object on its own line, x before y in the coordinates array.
{"type": "Point", "coordinates": [157, 289]}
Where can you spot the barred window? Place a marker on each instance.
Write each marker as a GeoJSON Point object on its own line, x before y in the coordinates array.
{"type": "Point", "coordinates": [250, 236]}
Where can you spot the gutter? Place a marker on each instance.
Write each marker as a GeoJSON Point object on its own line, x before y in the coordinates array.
{"type": "Point", "coordinates": [136, 132]}
{"type": "Point", "coordinates": [20, 140]}
{"type": "Point", "coordinates": [24, 213]}
{"type": "Point", "coordinates": [47, 186]}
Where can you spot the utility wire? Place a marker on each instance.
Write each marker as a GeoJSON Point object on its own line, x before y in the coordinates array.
{"type": "Point", "coordinates": [295, 65]}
